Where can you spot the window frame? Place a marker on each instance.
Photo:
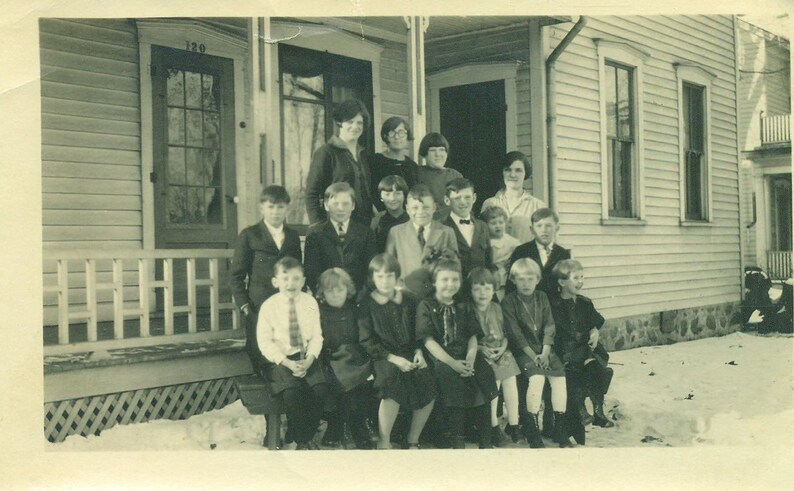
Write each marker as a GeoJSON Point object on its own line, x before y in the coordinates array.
{"type": "Point", "coordinates": [633, 58]}
{"type": "Point", "coordinates": [695, 75]}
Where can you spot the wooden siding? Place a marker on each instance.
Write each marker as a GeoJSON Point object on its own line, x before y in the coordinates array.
{"type": "Point", "coordinates": [659, 266]}
{"type": "Point", "coordinates": [91, 164]}
{"type": "Point", "coordinates": [503, 45]}
{"type": "Point", "coordinates": [91, 175]}
{"type": "Point", "coordinates": [394, 91]}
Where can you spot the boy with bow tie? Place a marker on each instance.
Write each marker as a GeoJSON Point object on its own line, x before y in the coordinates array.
{"type": "Point", "coordinates": [474, 243]}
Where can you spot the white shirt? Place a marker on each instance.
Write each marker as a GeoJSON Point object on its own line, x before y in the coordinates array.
{"type": "Point", "coordinates": [272, 327]}
{"type": "Point", "coordinates": [466, 229]}
{"type": "Point", "coordinates": [519, 221]}
{"type": "Point", "coordinates": [544, 258]}
{"type": "Point", "coordinates": [277, 234]}
{"type": "Point", "coordinates": [344, 226]}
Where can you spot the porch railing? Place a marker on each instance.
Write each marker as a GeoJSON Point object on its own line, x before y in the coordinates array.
{"type": "Point", "coordinates": [778, 264]}
{"type": "Point", "coordinates": [775, 129]}
{"type": "Point", "coordinates": [84, 310]}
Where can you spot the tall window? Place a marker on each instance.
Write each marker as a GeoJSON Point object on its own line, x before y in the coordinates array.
{"type": "Point", "coordinates": [620, 137]}
{"type": "Point", "coordinates": [621, 67]}
{"type": "Point", "coordinates": [311, 83]}
{"type": "Point", "coordinates": [694, 151]}
{"type": "Point", "coordinates": [694, 94]}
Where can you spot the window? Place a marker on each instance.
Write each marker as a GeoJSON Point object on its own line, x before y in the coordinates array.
{"type": "Point", "coordinates": [620, 82]}
{"type": "Point", "coordinates": [694, 168]}
{"type": "Point", "coordinates": [694, 87]}
{"type": "Point", "coordinates": [620, 137]}
{"type": "Point", "coordinates": [312, 82]}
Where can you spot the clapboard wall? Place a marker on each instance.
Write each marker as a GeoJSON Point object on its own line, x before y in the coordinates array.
{"type": "Point", "coordinates": [661, 265]}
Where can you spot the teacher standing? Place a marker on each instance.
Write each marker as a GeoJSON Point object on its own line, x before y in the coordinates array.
{"type": "Point", "coordinates": [342, 159]}
{"type": "Point", "coordinates": [514, 199]}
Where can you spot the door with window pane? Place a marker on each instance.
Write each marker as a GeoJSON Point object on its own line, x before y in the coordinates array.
{"type": "Point", "coordinates": [312, 82]}
{"type": "Point", "coordinates": [193, 149]}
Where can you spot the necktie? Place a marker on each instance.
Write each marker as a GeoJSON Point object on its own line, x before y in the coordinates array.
{"type": "Point", "coordinates": [463, 221]}
{"type": "Point", "coordinates": [341, 232]}
{"type": "Point", "coordinates": [448, 317]}
{"type": "Point", "coordinates": [421, 236]}
{"type": "Point", "coordinates": [548, 250]}
{"type": "Point", "coordinates": [295, 338]}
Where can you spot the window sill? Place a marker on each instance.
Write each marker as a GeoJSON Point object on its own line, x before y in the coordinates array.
{"type": "Point", "coordinates": [623, 221]}
{"type": "Point", "coordinates": [695, 223]}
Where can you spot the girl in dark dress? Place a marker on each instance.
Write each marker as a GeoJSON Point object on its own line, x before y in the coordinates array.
{"type": "Point", "coordinates": [346, 363]}
{"type": "Point", "coordinates": [394, 160]}
{"type": "Point", "coordinates": [387, 320]}
{"type": "Point", "coordinates": [450, 331]}
{"type": "Point", "coordinates": [530, 333]}
{"type": "Point", "coordinates": [392, 191]}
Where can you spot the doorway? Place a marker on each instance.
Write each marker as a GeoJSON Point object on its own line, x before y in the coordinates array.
{"type": "Point", "coordinates": [472, 118]}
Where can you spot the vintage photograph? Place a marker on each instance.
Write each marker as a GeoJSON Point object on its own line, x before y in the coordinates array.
{"type": "Point", "coordinates": [526, 233]}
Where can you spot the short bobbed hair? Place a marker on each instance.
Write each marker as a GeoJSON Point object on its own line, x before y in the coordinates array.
{"type": "Point", "coordinates": [482, 276]}
{"type": "Point", "coordinates": [563, 269]}
{"type": "Point", "coordinates": [382, 262]}
{"type": "Point", "coordinates": [489, 214]}
{"type": "Point", "coordinates": [517, 156]}
{"type": "Point", "coordinates": [445, 264]}
{"type": "Point", "coordinates": [393, 183]}
{"type": "Point", "coordinates": [332, 278]}
{"type": "Point", "coordinates": [348, 110]}
{"type": "Point", "coordinates": [391, 124]}
{"type": "Point", "coordinates": [523, 266]}
{"type": "Point", "coordinates": [432, 140]}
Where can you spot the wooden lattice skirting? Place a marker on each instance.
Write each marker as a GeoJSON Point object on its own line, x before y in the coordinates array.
{"type": "Point", "coordinates": [90, 415]}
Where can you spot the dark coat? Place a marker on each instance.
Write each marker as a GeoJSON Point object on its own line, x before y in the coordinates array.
{"type": "Point", "coordinates": [332, 163]}
{"type": "Point", "coordinates": [325, 250]}
{"type": "Point", "coordinates": [479, 254]}
{"type": "Point", "coordinates": [255, 254]}
{"type": "Point", "coordinates": [530, 249]}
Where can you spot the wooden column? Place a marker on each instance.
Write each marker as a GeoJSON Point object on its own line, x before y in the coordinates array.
{"type": "Point", "coordinates": [537, 103]}
{"type": "Point", "coordinates": [415, 50]}
{"type": "Point", "coordinates": [264, 129]}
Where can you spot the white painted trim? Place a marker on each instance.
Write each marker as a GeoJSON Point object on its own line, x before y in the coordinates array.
{"type": "Point", "coordinates": [473, 73]}
{"type": "Point", "coordinates": [359, 29]}
{"type": "Point", "coordinates": [537, 97]}
{"type": "Point", "coordinates": [323, 38]}
{"type": "Point", "coordinates": [696, 75]}
{"type": "Point", "coordinates": [625, 54]}
{"type": "Point", "coordinates": [174, 33]}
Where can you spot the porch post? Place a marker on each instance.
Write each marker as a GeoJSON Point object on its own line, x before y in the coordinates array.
{"type": "Point", "coordinates": [415, 48]}
{"type": "Point", "coordinates": [537, 115]}
{"type": "Point", "coordinates": [261, 83]}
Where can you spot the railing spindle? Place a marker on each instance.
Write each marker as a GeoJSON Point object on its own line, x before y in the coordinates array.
{"type": "Point", "coordinates": [214, 317]}
{"type": "Point", "coordinates": [168, 295]}
{"type": "Point", "coordinates": [90, 298]}
{"type": "Point", "coordinates": [191, 295]}
{"type": "Point", "coordinates": [143, 301]}
{"type": "Point", "coordinates": [118, 298]}
{"type": "Point", "coordinates": [63, 301]}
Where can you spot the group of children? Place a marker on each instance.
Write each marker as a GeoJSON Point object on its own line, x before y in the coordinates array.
{"type": "Point", "coordinates": [431, 318]}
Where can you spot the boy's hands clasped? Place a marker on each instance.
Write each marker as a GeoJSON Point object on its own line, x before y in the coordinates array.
{"type": "Point", "coordinates": [299, 368]}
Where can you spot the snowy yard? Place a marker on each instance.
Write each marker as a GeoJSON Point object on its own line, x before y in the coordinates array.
{"type": "Point", "coordinates": [735, 390]}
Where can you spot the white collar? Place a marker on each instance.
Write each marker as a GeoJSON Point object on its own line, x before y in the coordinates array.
{"type": "Point", "coordinates": [457, 218]}
{"type": "Point", "coordinates": [336, 224]}
{"type": "Point", "coordinates": [416, 227]}
{"type": "Point", "coordinates": [272, 229]}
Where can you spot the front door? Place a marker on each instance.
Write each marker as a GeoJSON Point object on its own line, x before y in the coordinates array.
{"type": "Point", "coordinates": [194, 156]}
{"type": "Point", "coordinates": [473, 121]}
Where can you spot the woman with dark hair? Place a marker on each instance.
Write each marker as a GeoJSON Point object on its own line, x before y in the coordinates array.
{"type": "Point", "coordinates": [394, 160]}
{"type": "Point", "coordinates": [340, 160]}
{"type": "Point", "coordinates": [514, 199]}
{"type": "Point", "coordinates": [434, 149]}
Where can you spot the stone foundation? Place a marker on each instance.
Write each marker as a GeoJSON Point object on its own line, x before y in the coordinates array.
{"type": "Point", "coordinates": [671, 326]}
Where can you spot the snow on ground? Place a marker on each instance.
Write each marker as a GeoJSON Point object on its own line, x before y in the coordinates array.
{"type": "Point", "coordinates": [733, 390]}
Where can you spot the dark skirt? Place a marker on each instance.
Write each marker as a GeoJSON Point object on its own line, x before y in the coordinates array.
{"type": "Point", "coordinates": [529, 368]}
{"type": "Point", "coordinates": [348, 367]}
{"type": "Point", "coordinates": [281, 377]}
{"type": "Point", "coordinates": [411, 390]}
{"type": "Point", "coordinates": [457, 391]}
{"type": "Point", "coordinates": [577, 353]}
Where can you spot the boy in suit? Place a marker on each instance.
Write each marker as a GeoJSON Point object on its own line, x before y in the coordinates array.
{"type": "Point", "coordinates": [339, 242]}
{"type": "Point", "coordinates": [256, 252]}
{"type": "Point", "coordinates": [290, 337]}
{"type": "Point", "coordinates": [409, 241]}
{"type": "Point", "coordinates": [543, 249]}
{"type": "Point", "coordinates": [474, 243]}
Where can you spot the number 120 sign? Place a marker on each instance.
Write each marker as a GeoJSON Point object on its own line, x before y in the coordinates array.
{"type": "Point", "coordinates": [190, 46]}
